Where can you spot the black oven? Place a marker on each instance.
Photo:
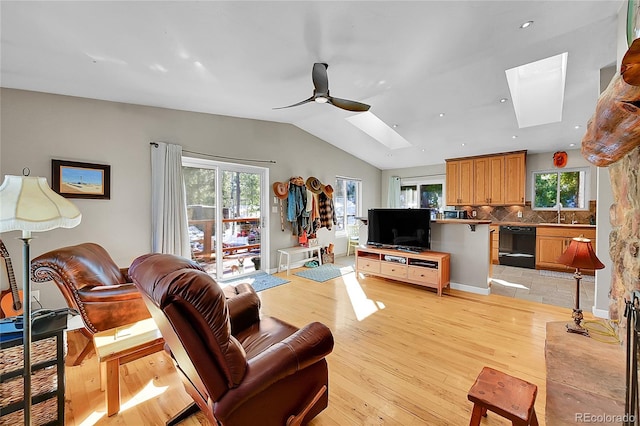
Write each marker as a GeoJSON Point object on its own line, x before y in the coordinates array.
{"type": "Point", "coordinates": [517, 246]}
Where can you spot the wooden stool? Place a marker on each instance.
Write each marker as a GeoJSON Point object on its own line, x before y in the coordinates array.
{"type": "Point", "coordinates": [508, 396]}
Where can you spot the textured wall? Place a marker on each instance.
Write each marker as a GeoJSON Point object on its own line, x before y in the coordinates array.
{"type": "Point", "coordinates": [624, 240]}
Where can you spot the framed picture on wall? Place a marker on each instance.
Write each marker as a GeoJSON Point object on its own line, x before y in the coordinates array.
{"type": "Point", "coordinates": [72, 179]}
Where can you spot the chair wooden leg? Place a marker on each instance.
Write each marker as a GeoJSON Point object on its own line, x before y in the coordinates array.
{"type": "Point", "coordinates": [296, 420]}
{"type": "Point", "coordinates": [88, 348]}
{"type": "Point", "coordinates": [478, 412]}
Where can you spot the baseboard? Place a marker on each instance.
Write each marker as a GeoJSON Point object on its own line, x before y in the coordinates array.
{"type": "Point", "coordinates": [470, 289]}
{"type": "Point", "coordinates": [600, 313]}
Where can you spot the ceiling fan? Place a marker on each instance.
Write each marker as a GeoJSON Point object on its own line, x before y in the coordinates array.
{"type": "Point", "coordinates": [321, 92]}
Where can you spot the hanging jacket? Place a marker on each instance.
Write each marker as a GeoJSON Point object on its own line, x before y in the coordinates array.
{"type": "Point", "coordinates": [327, 212]}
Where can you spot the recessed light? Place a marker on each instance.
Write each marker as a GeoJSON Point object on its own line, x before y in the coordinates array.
{"type": "Point", "coordinates": [463, 144]}
{"type": "Point", "coordinates": [526, 24]}
{"type": "Point", "coordinates": [577, 126]}
{"type": "Point", "coordinates": [503, 100]}
{"type": "Point", "coordinates": [514, 137]}
{"type": "Point", "coordinates": [572, 144]}
{"type": "Point", "coordinates": [423, 150]}
{"type": "Point", "coordinates": [395, 126]}
{"type": "Point", "coordinates": [441, 114]}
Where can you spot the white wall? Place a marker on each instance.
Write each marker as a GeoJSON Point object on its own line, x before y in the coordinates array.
{"type": "Point", "coordinates": [38, 127]}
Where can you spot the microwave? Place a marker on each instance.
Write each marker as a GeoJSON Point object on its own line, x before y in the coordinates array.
{"type": "Point", "coordinates": [455, 214]}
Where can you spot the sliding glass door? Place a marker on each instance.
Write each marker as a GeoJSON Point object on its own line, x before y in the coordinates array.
{"type": "Point", "coordinates": [227, 217]}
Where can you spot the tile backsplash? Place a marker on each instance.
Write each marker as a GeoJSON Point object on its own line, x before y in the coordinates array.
{"type": "Point", "coordinates": [510, 214]}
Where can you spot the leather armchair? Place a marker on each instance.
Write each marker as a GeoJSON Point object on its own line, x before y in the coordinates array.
{"type": "Point", "coordinates": [239, 369]}
{"type": "Point", "coordinates": [94, 285]}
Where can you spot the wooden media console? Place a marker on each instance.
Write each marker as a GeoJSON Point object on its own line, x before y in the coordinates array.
{"type": "Point", "coordinates": [427, 268]}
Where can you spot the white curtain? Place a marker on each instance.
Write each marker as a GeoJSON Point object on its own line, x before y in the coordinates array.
{"type": "Point", "coordinates": [394, 192]}
{"type": "Point", "coordinates": [170, 229]}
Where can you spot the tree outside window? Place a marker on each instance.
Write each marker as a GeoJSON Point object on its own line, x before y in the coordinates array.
{"type": "Point", "coordinates": [424, 195]}
{"type": "Point", "coordinates": [565, 187]}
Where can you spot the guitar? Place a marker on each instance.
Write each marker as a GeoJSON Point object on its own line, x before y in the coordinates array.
{"type": "Point", "coordinates": [11, 304]}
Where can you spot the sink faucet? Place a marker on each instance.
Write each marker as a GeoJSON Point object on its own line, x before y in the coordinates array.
{"type": "Point", "coordinates": [559, 206]}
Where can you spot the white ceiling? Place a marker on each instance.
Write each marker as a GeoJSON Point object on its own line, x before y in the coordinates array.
{"type": "Point", "coordinates": [409, 60]}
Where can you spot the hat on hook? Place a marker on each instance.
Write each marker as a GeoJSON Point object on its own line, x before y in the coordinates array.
{"type": "Point", "coordinates": [314, 185]}
{"type": "Point", "coordinates": [328, 190]}
{"type": "Point", "coordinates": [280, 189]}
{"type": "Point", "coordinates": [297, 180]}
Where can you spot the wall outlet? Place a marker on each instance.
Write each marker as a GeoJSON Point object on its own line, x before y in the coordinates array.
{"type": "Point", "coordinates": [519, 213]}
{"type": "Point", "coordinates": [275, 200]}
{"type": "Point", "coordinates": [474, 213]}
{"type": "Point", "coordinates": [274, 209]}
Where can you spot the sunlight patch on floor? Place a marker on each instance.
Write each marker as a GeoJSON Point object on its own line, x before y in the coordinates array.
{"type": "Point", "coordinates": [93, 418]}
{"type": "Point", "coordinates": [362, 306]}
{"type": "Point", "coordinates": [508, 284]}
{"type": "Point", "coordinates": [150, 391]}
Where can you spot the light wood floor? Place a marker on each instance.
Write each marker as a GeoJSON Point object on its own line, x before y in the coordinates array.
{"type": "Point", "coordinates": [403, 355]}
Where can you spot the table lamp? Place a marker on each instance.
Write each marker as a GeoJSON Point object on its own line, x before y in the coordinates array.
{"type": "Point", "coordinates": [29, 205]}
{"type": "Point", "coordinates": [579, 255]}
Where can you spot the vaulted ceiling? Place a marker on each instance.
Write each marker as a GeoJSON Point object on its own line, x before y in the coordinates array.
{"type": "Point", "coordinates": [411, 61]}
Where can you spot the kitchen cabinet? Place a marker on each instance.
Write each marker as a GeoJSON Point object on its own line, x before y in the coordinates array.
{"type": "Point", "coordinates": [515, 175]}
{"type": "Point", "coordinates": [487, 180]}
{"type": "Point", "coordinates": [489, 184]}
{"type": "Point", "coordinates": [552, 241]}
{"type": "Point", "coordinates": [459, 182]}
{"type": "Point", "coordinates": [494, 230]}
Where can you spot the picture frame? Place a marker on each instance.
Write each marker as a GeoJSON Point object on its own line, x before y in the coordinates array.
{"type": "Point", "coordinates": [73, 179]}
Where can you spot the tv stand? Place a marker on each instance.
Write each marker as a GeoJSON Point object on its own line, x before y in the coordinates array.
{"type": "Point", "coordinates": [426, 268]}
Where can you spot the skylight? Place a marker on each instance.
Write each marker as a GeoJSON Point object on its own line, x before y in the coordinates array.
{"type": "Point", "coordinates": [537, 90]}
{"type": "Point", "coordinates": [378, 129]}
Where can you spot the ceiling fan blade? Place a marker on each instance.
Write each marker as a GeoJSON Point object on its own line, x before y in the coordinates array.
{"type": "Point", "coordinates": [320, 79]}
{"type": "Point", "coordinates": [349, 105]}
{"type": "Point", "coordinates": [299, 103]}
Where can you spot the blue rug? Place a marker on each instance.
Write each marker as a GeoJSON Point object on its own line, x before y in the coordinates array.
{"type": "Point", "coordinates": [259, 281]}
{"type": "Point", "coordinates": [324, 272]}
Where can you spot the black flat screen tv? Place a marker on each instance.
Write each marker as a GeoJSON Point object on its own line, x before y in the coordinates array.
{"type": "Point", "coordinates": [400, 228]}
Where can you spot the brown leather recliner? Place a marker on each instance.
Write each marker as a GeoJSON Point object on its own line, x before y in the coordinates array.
{"type": "Point", "coordinates": [94, 285]}
{"type": "Point", "coordinates": [239, 369]}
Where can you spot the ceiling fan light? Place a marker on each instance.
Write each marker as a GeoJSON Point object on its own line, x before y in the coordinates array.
{"type": "Point", "coordinates": [321, 100]}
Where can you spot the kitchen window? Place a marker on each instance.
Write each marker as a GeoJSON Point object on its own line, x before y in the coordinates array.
{"type": "Point", "coordinates": [567, 189]}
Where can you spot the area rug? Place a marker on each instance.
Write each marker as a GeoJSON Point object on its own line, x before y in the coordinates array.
{"type": "Point", "coordinates": [259, 281]}
{"type": "Point", "coordinates": [324, 272]}
{"type": "Point", "coordinates": [567, 275]}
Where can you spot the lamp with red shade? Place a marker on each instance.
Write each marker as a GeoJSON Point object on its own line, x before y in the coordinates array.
{"type": "Point", "coordinates": [579, 255]}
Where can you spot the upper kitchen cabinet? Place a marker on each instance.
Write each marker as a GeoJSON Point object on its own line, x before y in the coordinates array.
{"type": "Point", "coordinates": [492, 180]}
{"type": "Point", "coordinates": [459, 182]}
{"type": "Point", "coordinates": [489, 180]}
{"type": "Point", "coordinates": [515, 177]}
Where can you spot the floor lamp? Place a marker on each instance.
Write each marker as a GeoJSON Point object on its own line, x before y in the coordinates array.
{"type": "Point", "coordinates": [579, 255]}
{"type": "Point", "coordinates": [29, 205]}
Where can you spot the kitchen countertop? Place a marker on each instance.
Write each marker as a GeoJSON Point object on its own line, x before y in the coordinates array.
{"type": "Point", "coordinates": [464, 221]}
{"type": "Point", "coordinates": [489, 222]}
{"type": "Point", "coordinates": [543, 224]}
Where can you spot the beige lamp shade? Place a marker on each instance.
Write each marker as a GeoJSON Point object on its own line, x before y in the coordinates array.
{"type": "Point", "coordinates": [580, 255]}
{"type": "Point", "coordinates": [29, 204]}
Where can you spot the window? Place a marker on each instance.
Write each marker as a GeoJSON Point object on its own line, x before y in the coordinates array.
{"type": "Point", "coordinates": [426, 194]}
{"type": "Point", "coordinates": [347, 201]}
{"type": "Point", "coordinates": [567, 187]}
